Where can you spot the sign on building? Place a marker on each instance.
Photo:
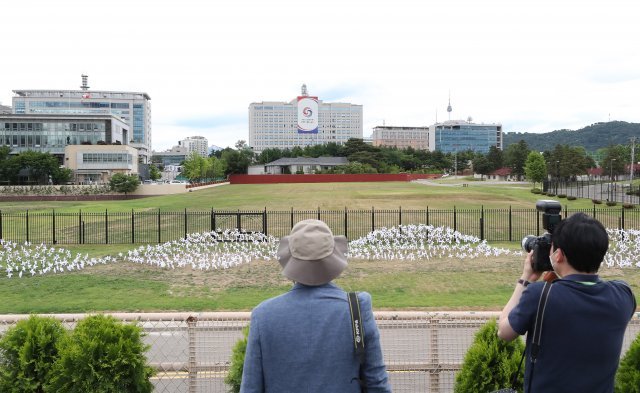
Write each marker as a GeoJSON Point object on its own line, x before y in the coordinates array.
{"type": "Point", "coordinates": [307, 115]}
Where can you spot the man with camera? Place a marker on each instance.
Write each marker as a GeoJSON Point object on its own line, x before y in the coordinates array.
{"type": "Point", "coordinates": [585, 318]}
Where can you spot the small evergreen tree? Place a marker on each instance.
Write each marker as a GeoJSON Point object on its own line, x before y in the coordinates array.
{"type": "Point", "coordinates": [27, 353]}
{"type": "Point", "coordinates": [490, 362]}
{"type": "Point", "coordinates": [628, 375]}
{"type": "Point", "coordinates": [102, 355]}
{"type": "Point", "coordinates": [234, 377]}
{"type": "Point", "coordinates": [124, 183]}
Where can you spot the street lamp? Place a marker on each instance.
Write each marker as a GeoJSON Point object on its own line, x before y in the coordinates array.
{"type": "Point", "coordinates": [611, 179]}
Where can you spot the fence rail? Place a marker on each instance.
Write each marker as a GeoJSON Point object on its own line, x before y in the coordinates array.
{"type": "Point", "coordinates": [147, 227]}
{"type": "Point", "coordinates": [191, 352]}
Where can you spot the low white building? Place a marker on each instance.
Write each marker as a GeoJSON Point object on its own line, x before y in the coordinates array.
{"type": "Point", "coordinates": [93, 164]}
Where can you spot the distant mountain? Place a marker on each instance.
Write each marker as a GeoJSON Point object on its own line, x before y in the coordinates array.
{"type": "Point", "coordinates": [592, 138]}
{"type": "Point", "coordinates": [214, 148]}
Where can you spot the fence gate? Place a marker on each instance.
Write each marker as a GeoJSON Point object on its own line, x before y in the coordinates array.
{"type": "Point", "coordinates": [244, 222]}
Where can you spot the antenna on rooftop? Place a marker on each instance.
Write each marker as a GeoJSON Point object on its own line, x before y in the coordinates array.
{"type": "Point", "coordinates": [84, 82]}
{"type": "Point", "coordinates": [304, 90]}
{"type": "Point", "coordinates": [449, 109]}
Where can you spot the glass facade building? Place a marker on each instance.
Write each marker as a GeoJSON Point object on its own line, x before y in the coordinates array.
{"type": "Point", "coordinates": [132, 108]}
{"type": "Point", "coordinates": [52, 133]}
{"type": "Point", "coordinates": [457, 135]}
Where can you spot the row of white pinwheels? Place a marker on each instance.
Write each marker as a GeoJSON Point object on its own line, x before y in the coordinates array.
{"type": "Point", "coordinates": [209, 251]}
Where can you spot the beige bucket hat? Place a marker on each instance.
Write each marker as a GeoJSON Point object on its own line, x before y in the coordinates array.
{"type": "Point", "coordinates": [311, 255]}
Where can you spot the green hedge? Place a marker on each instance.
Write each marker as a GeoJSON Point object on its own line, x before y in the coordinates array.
{"type": "Point", "coordinates": [234, 377]}
{"type": "Point", "coordinates": [490, 362]}
{"type": "Point", "coordinates": [628, 375]}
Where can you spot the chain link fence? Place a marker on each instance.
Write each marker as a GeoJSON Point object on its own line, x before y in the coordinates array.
{"type": "Point", "coordinates": [191, 351]}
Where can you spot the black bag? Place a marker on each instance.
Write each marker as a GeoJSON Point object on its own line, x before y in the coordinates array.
{"type": "Point", "coordinates": [358, 336]}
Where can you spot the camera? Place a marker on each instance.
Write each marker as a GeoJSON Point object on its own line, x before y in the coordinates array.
{"type": "Point", "coordinates": [541, 245]}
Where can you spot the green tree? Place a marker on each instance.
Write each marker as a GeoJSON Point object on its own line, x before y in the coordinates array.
{"type": "Point", "coordinates": [216, 168]}
{"type": "Point", "coordinates": [120, 182]}
{"type": "Point", "coordinates": [535, 168]}
{"type": "Point", "coordinates": [28, 351]}
{"type": "Point", "coordinates": [628, 375]}
{"type": "Point", "coordinates": [154, 172]}
{"type": "Point", "coordinates": [495, 157]}
{"type": "Point", "coordinates": [614, 161]}
{"type": "Point", "coordinates": [39, 165]}
{"type": "Point", "coordinates": [482, 165]}
{"type": "Point", "coordinates": [489, 363]}
{"type": "Point", "coordinates": [195, 167]}
{"type": "Point", "coordinates": [61, 175]}
{"type": "Point", "coordinates": [515, 157]}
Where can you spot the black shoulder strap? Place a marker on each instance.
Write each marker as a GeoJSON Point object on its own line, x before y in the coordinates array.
{"type": "Point", "coordinates": [358, 335]}
{"type": "Point", "coordinates": [356, 326]}
{"type": "Point", "coordinates": [537, 329]}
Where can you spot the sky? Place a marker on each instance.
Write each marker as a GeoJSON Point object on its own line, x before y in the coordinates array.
{"type": "Point", "coordinates": [534, 66]}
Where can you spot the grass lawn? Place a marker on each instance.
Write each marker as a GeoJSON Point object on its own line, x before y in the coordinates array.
{"type": "Point", "coordinates": [384, 195]}
{"type": "Point", "coordinates": [443, 284]}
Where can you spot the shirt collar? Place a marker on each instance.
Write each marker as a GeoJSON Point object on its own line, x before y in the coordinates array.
{"type": "Point", "coordinates": [582, 277]}
{"type": "Point", "coordinates": [298, 285]}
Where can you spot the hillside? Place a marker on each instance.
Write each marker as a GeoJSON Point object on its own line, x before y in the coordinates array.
{"type": "Point", "coordinates": [592, 137]}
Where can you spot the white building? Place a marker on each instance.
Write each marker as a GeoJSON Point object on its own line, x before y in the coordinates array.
{"type": "Point", "coordinates": [401, 137]}
{"type": "Point", "coordinates": [133, 108]}
{"type": "Point", "coordinates": [198, 144]}
{"type": "Point", "coordinates": [276, 124]}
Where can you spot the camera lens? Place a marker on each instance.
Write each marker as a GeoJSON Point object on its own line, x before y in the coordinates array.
{"type": "Point", "coordinates": [529, 242]}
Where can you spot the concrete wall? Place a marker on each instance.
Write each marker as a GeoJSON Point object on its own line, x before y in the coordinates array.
{"type": "Point", "coordinates": [271, 179]}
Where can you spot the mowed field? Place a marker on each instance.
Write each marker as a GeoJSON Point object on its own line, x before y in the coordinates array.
{"type": "Point", "coordinates": [483, 283]}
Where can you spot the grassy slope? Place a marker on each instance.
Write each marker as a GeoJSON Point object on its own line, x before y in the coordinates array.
{"type": "Point", "coordinates": [440, 284]}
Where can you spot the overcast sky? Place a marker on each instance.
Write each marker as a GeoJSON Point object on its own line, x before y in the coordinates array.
{"type": "Point", "coordinates": [533, 66]}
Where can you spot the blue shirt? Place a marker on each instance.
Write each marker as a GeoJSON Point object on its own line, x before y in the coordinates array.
{"type": "Point", "coordinates": [582, 331]}
{"type": "Point", "coordinates": [302, 341]}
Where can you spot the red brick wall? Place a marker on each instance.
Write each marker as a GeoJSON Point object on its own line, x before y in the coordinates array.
{"type": "Point", "coordinates": [271, 179]}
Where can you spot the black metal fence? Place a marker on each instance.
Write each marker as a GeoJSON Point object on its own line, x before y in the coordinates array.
{"type": "Point", "coordinates": [599, 190]}
{"type": "Point", "coordinates": [158, 227]}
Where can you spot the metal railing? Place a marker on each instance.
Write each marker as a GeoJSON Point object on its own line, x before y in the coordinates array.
{"type": "Point", "coordinates": [192, 352]}
{"type": "Point", "coordinates": [147, 227]}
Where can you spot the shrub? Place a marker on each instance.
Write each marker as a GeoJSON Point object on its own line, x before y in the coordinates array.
{"type": "Point", "coordinates": [490, 362]}
{"type": "Point", "coordinates": [628, 375]}
{"type": "Point", "coordinates": [536, 190]}
{"type": "Point", "coordinates": [571, 198]}
{"type": "Point", "coordinates": [27, 352]}
{"type": "Point", "coordinates": [628, 205]}
{"type": "Point", "coordinates": [562, 195]}
{"type": "Point", "coordinates": [102, 355]}
{"type": "Point", "coordinates": [551, 194]}
{"type": "Point", "coordinates": [543, 193]}
{"type": "Point", "coordinates": [234, 377]}
{"type": "Point", "coordinates": [596, 201]}
{"type": "Point", "coordinates": [611, 203]}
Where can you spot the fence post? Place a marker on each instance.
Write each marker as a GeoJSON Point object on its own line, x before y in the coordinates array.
{"type": "Point", "coordinates": [292, 217]}
{"type": "Point", "coordinates": [106, 226]}
{"type": "Point", "coordinates": [621, 217]}
{"type": "Point", "coordinates": [185, 222]}
{"type": "Point", "coordinates": [594, 210]}
{"type": "Point", "coordinates": [0, 224]}
{"type": "Point", "coordinates": [80, 227]}
{"type": "Point", "coordinates": [192, 367]}
{"type": "Point", "coordinates": [264, 221]}
{"type": "Point", "coordinates": [53, 226]}
{"type": "Point", "coordinates": [373, 219]}
{"type": "Point", "coordinates": [238, 222]}
{"type": "Point", "coordinates": [133, 228]}
{"type": "Point", "coordinates": [400, 215]}
{"type": "Point", "coordinates": [482, 222]}
{"type": "Point", "coordinates": [318, 213]}
{"type": "Point", "coordinates": [510, 225]}
{"type": "Point", "coordinates": [427, 215]}
{"type": "Point", "coordinates": [27, 224]}
{"type": "Point", "coordinates": [537, 222]}
{"type": "Point", "coordinates": [346, 226]}
{"type": "Point", "coordinates": [455, 218]}
{"type": "Point", "coordinates": [159, 228]}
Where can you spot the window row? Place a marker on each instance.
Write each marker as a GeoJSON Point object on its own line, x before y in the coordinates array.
{"type": "Point", "coordinates": [106, 157]}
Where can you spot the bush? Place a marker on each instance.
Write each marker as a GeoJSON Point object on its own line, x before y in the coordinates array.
{"type": "Point", "coordinates": [562, 195]}
{"type": "Point", "coordinates": [551, 194]}
{"type": "Point", "coordinates": [102, 355]}
{"type": "Point", "coordinates": [611, 203]}
{"type": "Point", "coordinates": [536, 190]}
{"type": "Point", "coordinates": [28, 351]}
{"type": "Point", "coordinates": [628, 205]}
{"type": "Point", "coordinates": [596, 201]}
{"type": "Point", "coordinates": [490, 362]}
{"type": "Point", "coordinates": [234, 377]}
{"type": "Point", "coordinates": [571, 198]}
{"type": "Point", "coordinates": [628, 375]}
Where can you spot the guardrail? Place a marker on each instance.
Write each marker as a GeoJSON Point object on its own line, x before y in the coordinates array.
{"type": "Point", "coordinates": [191, 351]}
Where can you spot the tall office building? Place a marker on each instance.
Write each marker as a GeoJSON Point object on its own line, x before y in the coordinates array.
{"type": "Point", "coordinates": [198, 144]}
{"type": "Point", "coordinates": [133, 108]}
{"type": "Point", "coordinates": [458, 135]}
{"type": "Point", "coordinates": [303, 121]}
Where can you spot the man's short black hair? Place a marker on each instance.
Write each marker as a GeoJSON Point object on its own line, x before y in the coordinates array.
{"type": "Point", "coordinates": [583, 240]}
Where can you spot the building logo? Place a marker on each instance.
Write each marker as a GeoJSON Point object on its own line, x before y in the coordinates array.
{"type": "Point", "coordinates": [307, 115]}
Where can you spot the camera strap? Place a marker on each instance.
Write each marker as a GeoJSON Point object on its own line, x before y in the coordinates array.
{"type": "Point", "coordinates": [537, 328]}
{"type": "Point", "coordinates": [358, 335]}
